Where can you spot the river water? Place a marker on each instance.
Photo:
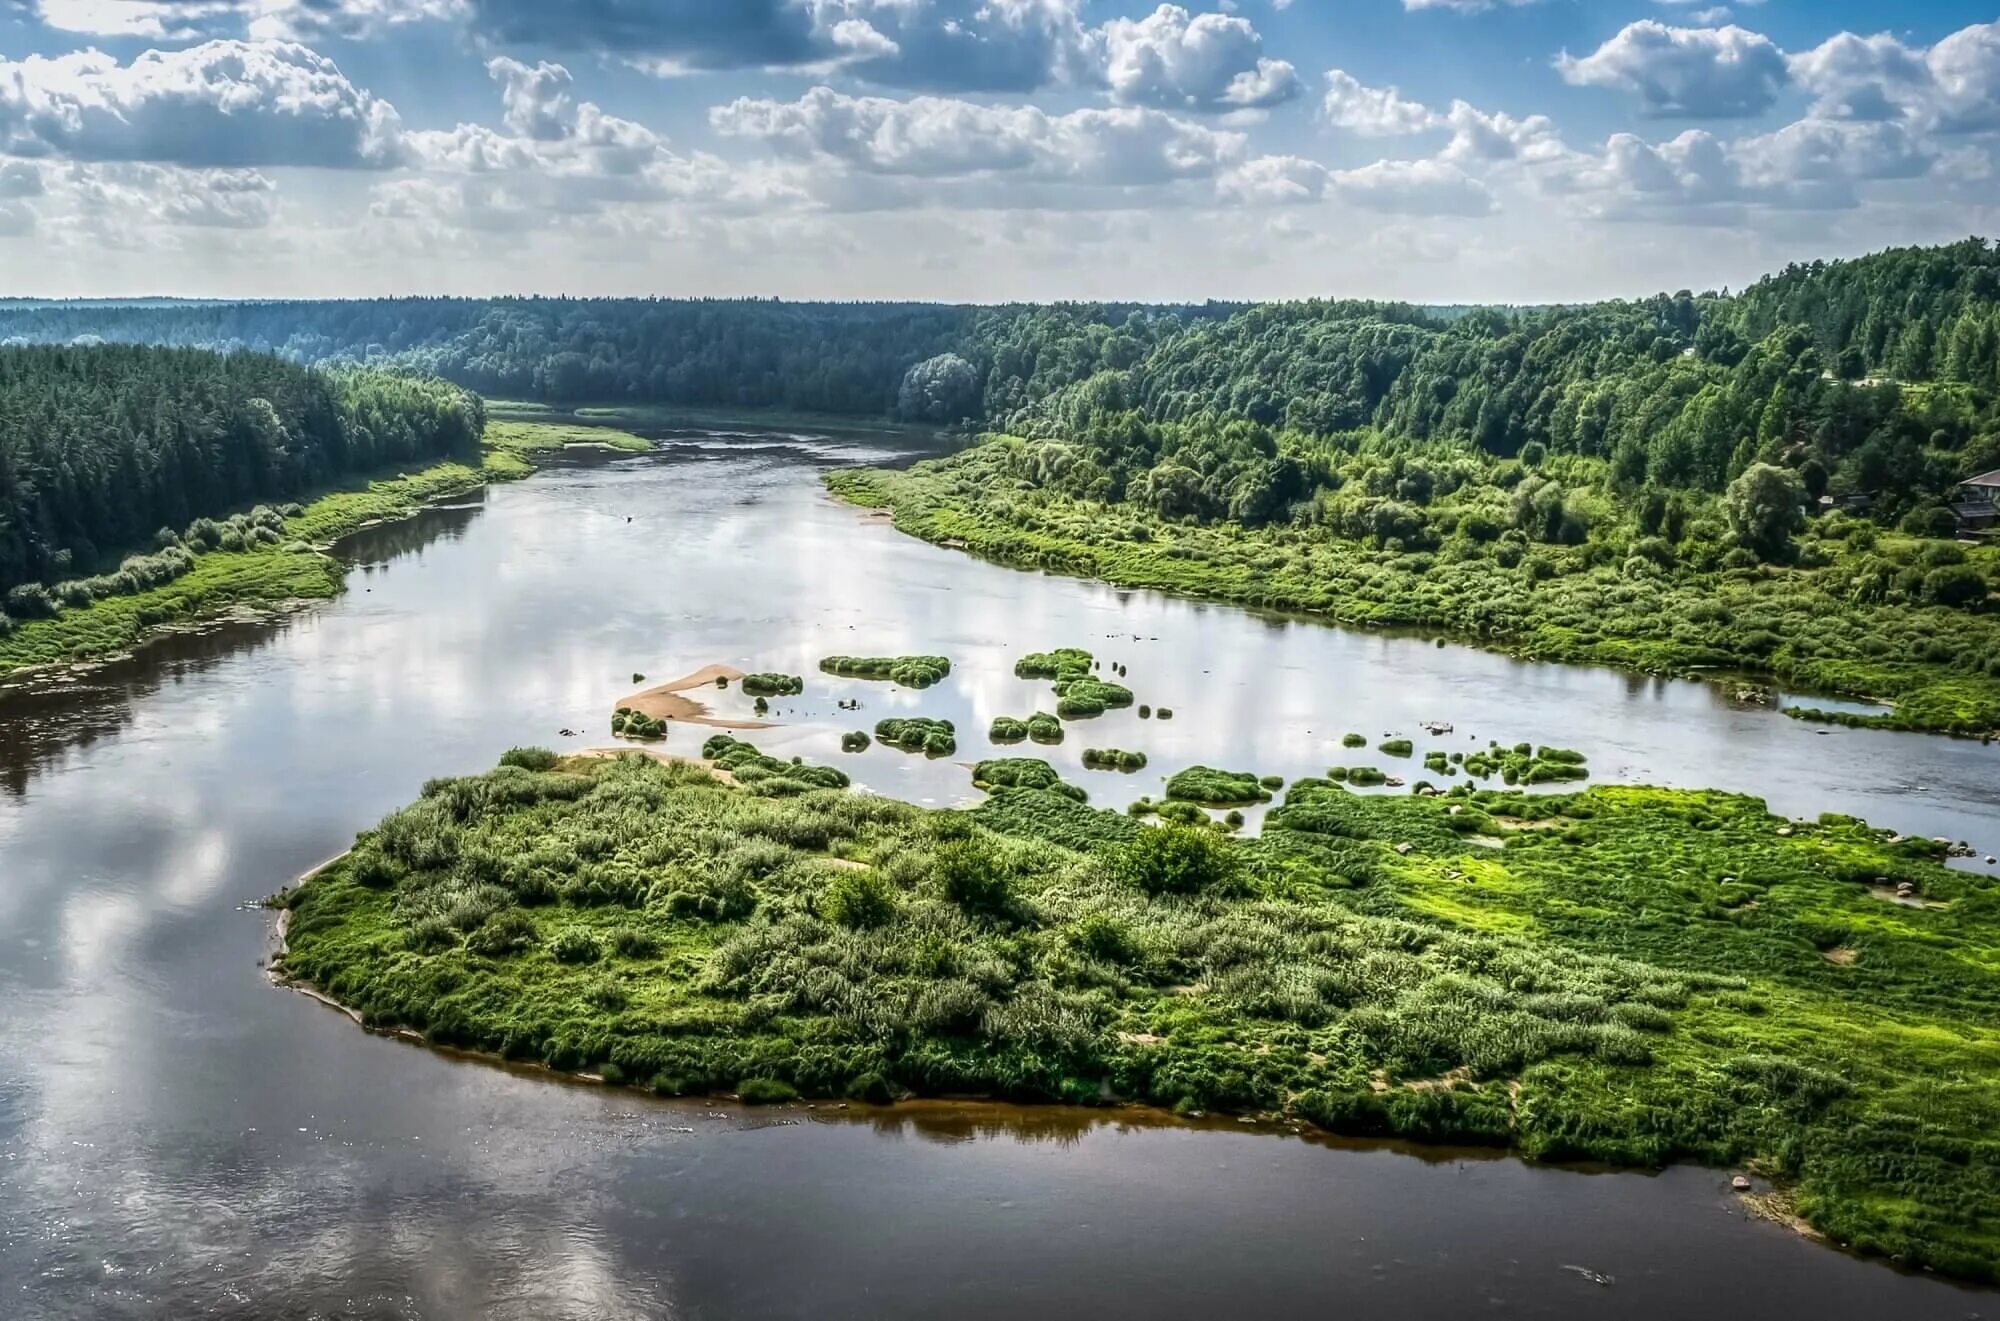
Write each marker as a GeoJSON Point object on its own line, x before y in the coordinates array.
{"type": "Point", "coordinates": [178, 1138]}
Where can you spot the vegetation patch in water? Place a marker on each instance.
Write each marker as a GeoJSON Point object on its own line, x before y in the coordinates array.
{"type": "Point", "coordinates": [933, 738]}
{"type": "Point", "coordinates": [1637, 976]}
{"type": "Point", "coordinates": [1213, 788]}
{"type": "Point", "coordinates": [855, 741]}
{"type": "Point", "coordinates": [773, 685]}
{"type": "Point", "coordinates": [1023, 773]}
{"type": "Point", "coordinates": [768, 775]}
{"type": "Point", "coordinates": [627, 723]}
{"type": "Point", "coordinates": [909, 671]}
{"type": "Point", "coordinates": [1113, 759]}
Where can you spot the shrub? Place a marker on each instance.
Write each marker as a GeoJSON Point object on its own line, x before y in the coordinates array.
{"type": "Point", "coordinates": [765, 1091]}
{"type": "Point", "coordinates": [1007, 729]}
{"type": "Point", "coordinates": [855, 741]}
{"type": "Point", "coordinates": [1164, 713]}
{"type": "Point", "coordinates": [575, 945]}
{"type": "Point", "coordinates": [773, 685]}
{"type": "Point", "coordinates": [1354, 741]}
{"type": "Point", "coordinates": [972, 876]}
{"type": "Point", "coordinates": [859, 899]}
{"type": "Point", "coordinates": [506, 932]}
{"type": "Point", "coordinates": [632, 943]}
{"type": "Point", "coordinates": [529, 759]}
{"type": "Point", "coordinates": [1396, 747]}
{"type": "Point", "coordinates": [1113, 759]}
{"type": "Point", "coordinates": [31, 601]}
{"type": "Point", "coordinates": [1178, 859]}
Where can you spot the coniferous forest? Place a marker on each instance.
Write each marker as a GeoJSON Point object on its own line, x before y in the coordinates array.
{"type": "Point", "coordinates": [106, 450]}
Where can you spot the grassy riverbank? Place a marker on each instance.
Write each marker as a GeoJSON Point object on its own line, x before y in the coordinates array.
{"type": "Point", "coordinates": [1839, 619]}
{"type": "Point", "coordinates": [261, 578]}
{"type": "Point", "coordinates": [1627, 975]}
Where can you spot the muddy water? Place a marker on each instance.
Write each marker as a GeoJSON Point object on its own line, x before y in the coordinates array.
{"type": "Point", "coordinates": [177, 1138]}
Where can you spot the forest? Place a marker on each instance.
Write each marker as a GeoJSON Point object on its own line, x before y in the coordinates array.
{"type": "Point", "coordinates": [109, 450]}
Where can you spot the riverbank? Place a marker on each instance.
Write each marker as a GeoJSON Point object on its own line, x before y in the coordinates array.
{"type": "Point", "coordinates": [263, 580]}
{"type": "Point", "coordinates": [672, 416]}
{"type": "Point", "coordinates": [1799, 625]}
{"type": "Point", "coordinates": [1631, 976]}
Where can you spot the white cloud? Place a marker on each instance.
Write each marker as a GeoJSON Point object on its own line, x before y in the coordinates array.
{"type": "Point", "coordinates": [1176, 61]}
{"type": "Point", "coordinates": [222, 104]}
{"type": "Point", "coordinates": [1415, 188]}
{"type": "Point", "coordinates": [942, 137]}
{"type": "Point", "coordinates": [263, 20]}
{"type": "Point", "coordinates": [1952, 87]}
{"type": "Point", "coordinates": [1372, 112]}
{"type": "Point", "coordinates": [1275, 181]}
{"type": "Point", "coordinates": [1695, 73]}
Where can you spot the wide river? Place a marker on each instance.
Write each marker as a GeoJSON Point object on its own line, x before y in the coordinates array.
{"type": "Point", "coordinates": [178, 1138]}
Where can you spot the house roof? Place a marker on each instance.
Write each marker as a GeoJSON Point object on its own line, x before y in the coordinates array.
{"type": "Point", "coordinates": [1983, 479]}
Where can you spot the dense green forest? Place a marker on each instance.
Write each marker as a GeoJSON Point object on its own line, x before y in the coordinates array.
{"type": "Point", "coordinates": [106, 450]}
{"type": "Point", "coordinates": [1868, 378]}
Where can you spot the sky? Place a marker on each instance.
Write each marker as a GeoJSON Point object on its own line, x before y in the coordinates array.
{"type": "Point", "coordinates": [982, 150]}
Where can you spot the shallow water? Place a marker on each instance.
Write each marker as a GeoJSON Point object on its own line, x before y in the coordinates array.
{"type": "Point", "coordinates": [178, 1138]}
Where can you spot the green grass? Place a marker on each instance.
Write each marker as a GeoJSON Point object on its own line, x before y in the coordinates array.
{"type": "Point", "coordinates": [261, 580]}
{"type": "Point", "coordinates": [1632, 976]}
{"type": "Point", "coordinates": [1825, 624]}
{"type": "Point", "coordinates": [1213, 788]}
{"type": "Point", "coordinates": [534, 437]}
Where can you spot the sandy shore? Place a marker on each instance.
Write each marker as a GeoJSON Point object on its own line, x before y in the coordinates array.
{"type": "Point", "coordinates": [670, 701]}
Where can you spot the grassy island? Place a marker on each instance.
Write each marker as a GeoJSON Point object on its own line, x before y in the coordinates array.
{"type": "Point", "coordinates": [933, 738]}
{"type": "Point", "coordinates": [773, 685]}
{"type": "Point", "coordinates": [1213, 788]}
{"type": "Point", "coordinates": [909, 671]}
{"type": "Point", "coordinates": [1625, 975]}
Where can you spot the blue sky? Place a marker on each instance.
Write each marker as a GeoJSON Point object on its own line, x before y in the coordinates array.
{"type": "Point", "coordinates": [1446, 150]}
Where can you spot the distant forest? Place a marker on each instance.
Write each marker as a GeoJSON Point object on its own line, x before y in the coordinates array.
{"type": "Point", "coordinates": [1873, 377]}
{"type": "Point", "coordinates": [109, 449]}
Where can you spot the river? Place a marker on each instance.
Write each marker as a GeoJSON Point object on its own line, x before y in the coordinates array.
{"type": "Point", "coordinates": [179, 1138]}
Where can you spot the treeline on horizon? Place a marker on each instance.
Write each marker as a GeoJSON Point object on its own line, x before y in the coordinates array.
{"type": "Point", "coordinates": [107, 449]}
{"type": "Point", "coordinates": [1875, 377]}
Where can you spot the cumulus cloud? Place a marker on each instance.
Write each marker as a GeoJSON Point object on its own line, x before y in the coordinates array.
{"type": "Point", "coordinates": [184, 20]}
{"type": "Point", "coordinates": [942, 137]}
{"type": "Point", "coordinates": [1372, 112]}
{"type": "Point", "coordinates": [223, 104]}
{"type": "Point", "coordinates": [1173, 60]}
{"type": "Point", "coordinates": [1952, 87]}
{"type": "Point", "coordinates": [1693, 73]}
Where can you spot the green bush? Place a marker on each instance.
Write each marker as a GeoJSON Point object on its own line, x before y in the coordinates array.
{"type": "Point", "coordinates": [859, 899]}
{"type": "Point", "coordinates": [855, 741]}
{"type": "Point", "coordinates": [1354, 741]}
{"type": "Point", "coordinates": [575, 945]}
{"type": "Point", "coordinates": [1396, 747]}
{"type": "Point", "coordinates": [765, 1091]}
{"type": "Point", "coordinates": [1179, 860]}
{"type": "Point", "coordinates": [529, 759]}
{"type": "Point", "coordinates": [773, 685]}
{"type": "Point", "coordinates": [973, 876]}
{"type": "Point", "coordinates": [1113, 759]}
{"type": "Point", "coordinates": [1007, 729]}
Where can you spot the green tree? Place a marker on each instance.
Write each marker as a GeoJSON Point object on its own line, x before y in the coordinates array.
{"type": "Point", "coordinates": [1765, 507]}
